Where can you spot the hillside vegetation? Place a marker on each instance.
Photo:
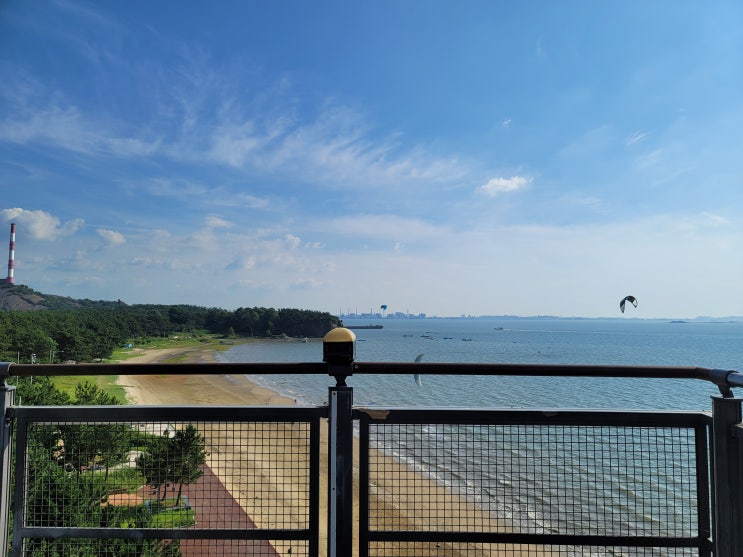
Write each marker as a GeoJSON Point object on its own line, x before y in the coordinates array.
{"type": "Point", "coordinates": [56, 328]}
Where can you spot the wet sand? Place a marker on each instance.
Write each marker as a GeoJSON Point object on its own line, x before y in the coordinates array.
{"type": "Point", "coordinates": [398, 509]}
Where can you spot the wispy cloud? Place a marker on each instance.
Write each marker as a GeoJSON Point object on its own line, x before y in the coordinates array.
{"type": "Point", "coordinates": [335, 146]}
{"type": "Point", "coordinates": [250, 201]}
{"type": "Point", "coordinates": [204, 195]}
{"type": "Point", "coordinates": [716, 220]}
{"type": "Point", "coordinates": [66, 128]}
{"type": "Point", "coordinates": [216, 222]}
{"type": "Point", "coordinates": [388, 228]}
{"type": "Point", "coordinates": [636, 137]}
{"type": "Point", "coordinates": [496, 186]}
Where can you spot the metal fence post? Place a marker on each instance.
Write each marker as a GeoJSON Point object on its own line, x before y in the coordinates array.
{"type": "Point", "coordinates": [7, 394]}
{"type": "Point", "coordinates": [338, 352]}
{"type": "Point", "coordinates": [727, 470]}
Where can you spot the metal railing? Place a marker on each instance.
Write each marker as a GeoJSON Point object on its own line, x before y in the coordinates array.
{"type": "Point", "coordinates": [111, 480]}
{"type": "Point", "coordinates": [568, 483]}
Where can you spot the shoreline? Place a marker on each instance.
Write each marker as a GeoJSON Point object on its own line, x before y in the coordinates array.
{"type": "Point", "coordinates": [394, 506]}
{"type": "Point", "coordinates": [173, 389]}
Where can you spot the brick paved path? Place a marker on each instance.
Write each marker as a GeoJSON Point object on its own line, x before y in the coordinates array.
{"type": "Point", "coordinates": [215, 508]}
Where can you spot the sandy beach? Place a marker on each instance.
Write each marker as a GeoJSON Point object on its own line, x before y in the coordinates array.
{"type": "Point", "coordinates": [400, 510]}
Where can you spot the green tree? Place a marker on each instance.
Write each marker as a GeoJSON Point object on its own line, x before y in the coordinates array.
{"type": "Point", "coordinates": [109, 442]}
{"type": "Point", "coordinates": [154, 463]}
{"type": "Point", "coordinates": [39, 391]}
{"type": "Point", "coordinates": [177, 459]}
{"type": "Point", "coordinates": [189, 455]}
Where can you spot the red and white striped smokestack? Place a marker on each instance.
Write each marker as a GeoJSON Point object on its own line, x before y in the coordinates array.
{"type": "Point", "coordinates": [11, 257]}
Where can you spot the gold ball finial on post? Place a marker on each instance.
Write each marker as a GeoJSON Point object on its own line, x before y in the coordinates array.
{"type": "Point", "coordinates": [339, 351]}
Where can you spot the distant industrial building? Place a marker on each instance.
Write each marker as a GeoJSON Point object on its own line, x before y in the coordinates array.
{"type": "Point", "coordinates": [11, 258]}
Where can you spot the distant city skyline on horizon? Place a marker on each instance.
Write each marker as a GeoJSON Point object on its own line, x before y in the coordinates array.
{"type": "Point", "coordinates": [395, 315]}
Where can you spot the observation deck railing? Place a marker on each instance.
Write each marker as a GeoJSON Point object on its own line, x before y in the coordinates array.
{"type": "Point", "coordinates": [344, 480]}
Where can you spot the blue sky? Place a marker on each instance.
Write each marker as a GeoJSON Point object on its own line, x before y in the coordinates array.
{"type": "Point", "coordinates": [439, 157]}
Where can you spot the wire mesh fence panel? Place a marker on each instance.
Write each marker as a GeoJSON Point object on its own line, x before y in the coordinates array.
{"type": "Point", "coordinates": [191, 487]}
{"type": "Point", "coordinates": [474, 480]}
{"type": "Point", "coordinates": [450, 549]}
{"type": "Point", "coordinates": [87, 547]}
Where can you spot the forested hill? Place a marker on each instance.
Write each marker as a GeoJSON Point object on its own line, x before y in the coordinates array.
{"type": "Point", "coordinates": [23, 298]}
{"type": "Point", "coordinates": [84, 330]}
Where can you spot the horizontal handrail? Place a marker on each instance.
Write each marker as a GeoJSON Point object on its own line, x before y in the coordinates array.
{"type": "Point", "coordinates": [154, 368]}
{"type": "Point", "coordinates": [724, 379]}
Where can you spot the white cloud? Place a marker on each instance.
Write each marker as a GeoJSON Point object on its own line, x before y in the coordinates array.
{"type": "Point", "coordinates": [40, 224]}
{"type": "Point", "coordinates": [216, 222]}
{"type": "Point", "coordinates": [292, 242]}
{"type": "Point", "coordinates": [636, 137]}
{"type": "Point", "coordinates": [716, 220]}
{"type": "Point", "coordinates": [168, 187]}
{"type": "Point", "coordinates": [111, 236]}
{"type": "Point", "coordinates": [499, 185]}
{"type": "Point", "coordinates": [235, 145]}
{"type": "Point", "coordinates": [184, 189]}
{"type": "Point", "coordinates": [241, 263]}
{"type": "Point", "coordinates": [385, 228]}
{"type": "Point", "coordinates": [306, 284]}
{"type": "Point", "coordinates": [251, 201]}
{"type": "Point", "coordinates": [149, 262]}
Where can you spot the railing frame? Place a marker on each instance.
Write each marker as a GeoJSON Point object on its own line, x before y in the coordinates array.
{"type": "Point", "coordinates": [726, 459]}
{"type": "Point", "coordinates": [7, 395]}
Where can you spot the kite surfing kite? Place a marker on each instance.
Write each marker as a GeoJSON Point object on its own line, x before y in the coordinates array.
{"type": "Point", "coordinates": [631, 299]}
{"type": "Point", "coordinates": [417, 376]}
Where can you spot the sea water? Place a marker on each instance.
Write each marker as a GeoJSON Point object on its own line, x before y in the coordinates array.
{"type": "Point", "coordinates": [706, 344]}
{"type": "Point", "coordinates": [530, 341]}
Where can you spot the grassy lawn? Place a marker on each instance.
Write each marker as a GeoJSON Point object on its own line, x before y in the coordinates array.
{"type": "Point", "coordinates": [181, 518]}
{"type": "Point", "coordinates": [106, 383]}
{"type": "Point", "coordinates": [124, 480]}
{"type": "Point", "coordinates": [172, 513]}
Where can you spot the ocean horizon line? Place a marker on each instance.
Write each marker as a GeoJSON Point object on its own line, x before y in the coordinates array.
{"type": "Point", "coordinates": [697, 319]}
